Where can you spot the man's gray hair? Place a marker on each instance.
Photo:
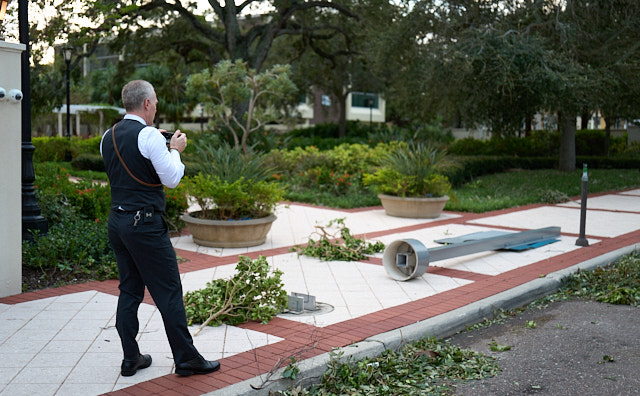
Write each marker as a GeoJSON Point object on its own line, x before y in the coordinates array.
{"type": "Point", "coordinates": [134, 94]}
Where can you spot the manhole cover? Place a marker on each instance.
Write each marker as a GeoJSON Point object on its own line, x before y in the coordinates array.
{"type": "Point", "coordinates": [322, 308]}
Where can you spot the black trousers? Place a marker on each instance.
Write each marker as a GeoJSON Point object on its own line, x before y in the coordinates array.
{"type": "Point", "coordinates": [146, 257]}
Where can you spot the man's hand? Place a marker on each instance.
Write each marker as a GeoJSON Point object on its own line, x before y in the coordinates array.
{"type": "Point", "coordinates": [178, 141]}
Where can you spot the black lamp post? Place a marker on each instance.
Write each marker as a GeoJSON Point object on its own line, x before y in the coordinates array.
{"type": "Point", "coordinates": [66, 52]}
{"type": "Point", "coordinates": [32, 218]}
{"type": "Point", "coordinates": [201, 118]}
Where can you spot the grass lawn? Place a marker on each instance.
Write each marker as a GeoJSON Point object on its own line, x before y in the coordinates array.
{"type": "Point", "coordinates": [506, 190]}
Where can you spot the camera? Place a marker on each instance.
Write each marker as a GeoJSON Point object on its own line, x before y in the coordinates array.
{"type": "Point", "coordinates": [15, 95]}
{"type": "Point", "coordinates": [3, 94]}
{"type": "Point", "coordinates": [168, 136]}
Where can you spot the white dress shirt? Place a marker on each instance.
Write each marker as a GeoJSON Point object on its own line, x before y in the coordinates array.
{"type": "Point", "coordinates": [153, 146]}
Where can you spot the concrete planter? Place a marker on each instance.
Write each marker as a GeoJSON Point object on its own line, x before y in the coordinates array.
{"type": "Point", "coordinates": [415, 208]}
{"type": "Point", "coordinates": [231, 234]}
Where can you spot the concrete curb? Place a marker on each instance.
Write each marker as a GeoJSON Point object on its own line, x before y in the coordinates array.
{"type": "Point", "coordinates": [440, 326]}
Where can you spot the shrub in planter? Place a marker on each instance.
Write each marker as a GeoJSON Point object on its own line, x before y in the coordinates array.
{"type": "Point", "coordinates": [237, 200]}
{"type": "Point", "coordinates": [409, 182]}
{"type": "Point", "coordinates": [391, 182]}
{"type": "Point", "coordinates": [233, 185]}
{"type": "Point", "coordinates": [412, 170]}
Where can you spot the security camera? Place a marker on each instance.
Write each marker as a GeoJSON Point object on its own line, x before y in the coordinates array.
{"type": "Point", "coordinates": [15, 95]}
{"type": "Point", "coordinates": [3, 94]}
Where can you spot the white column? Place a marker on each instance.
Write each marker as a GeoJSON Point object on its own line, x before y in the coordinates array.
{"type": "Point", "coordinates": [60, 124]}
{"type": "Point", "coordinates": [11, 175]}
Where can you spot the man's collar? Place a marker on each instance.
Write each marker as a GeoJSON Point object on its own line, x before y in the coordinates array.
{"type": "Point", "coordinates": [135, 117]}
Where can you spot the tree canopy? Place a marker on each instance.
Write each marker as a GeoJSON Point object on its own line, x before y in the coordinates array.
{"type": "Point", "coordinates": [230, 34]}
{"type": "Point", "coordinates": [499, 62]}
{"type": "Point", "coordinates": [494, 63]}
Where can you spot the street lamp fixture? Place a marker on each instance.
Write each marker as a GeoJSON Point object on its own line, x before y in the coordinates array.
{"type": "Point", "coordinates": [3, 8]}
{"type": "Point", "coordinates": [67, 52]}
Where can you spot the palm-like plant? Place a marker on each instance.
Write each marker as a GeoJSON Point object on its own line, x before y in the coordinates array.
{"type": "Point", "coordinates": [420, 161]}
{"type": "Point", "coordinates": [230, 164]}
{"type": "Point", "coordinates": [412, 170]}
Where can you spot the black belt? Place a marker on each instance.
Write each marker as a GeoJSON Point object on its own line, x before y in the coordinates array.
{"type": "Point", "coordinates": [120, 210]}
{"type": "Point", "coordinates": [148, 209]}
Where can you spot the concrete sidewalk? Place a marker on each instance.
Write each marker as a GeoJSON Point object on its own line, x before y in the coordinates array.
{"type": "Point", "coordinates": [62, 341]}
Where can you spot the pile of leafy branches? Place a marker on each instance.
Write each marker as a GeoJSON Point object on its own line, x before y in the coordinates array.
{"type": "Point", "coordinates": [344, 247]}
{"type": "Point", "coordinates": [423, 367]}
{"type": "Point", "coordinates": [616, 283]}
{"type": "Point", "coordinates": [254, 293]}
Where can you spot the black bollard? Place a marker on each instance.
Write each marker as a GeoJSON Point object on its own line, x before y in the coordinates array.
{"type": "Point", "coordinates": [582, 241]}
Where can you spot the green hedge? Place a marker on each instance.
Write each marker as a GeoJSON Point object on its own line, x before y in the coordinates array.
{"type": "Point", "coordinates": [541, 143]}
{"type": "Point", "coordinates": [93, 162]}
{"type": "Point", "coordinates": [54, 149]}
{"type": "Point", "coordinates": [325, 136]}
{"type": "Point", "coordinates": [474, 166]}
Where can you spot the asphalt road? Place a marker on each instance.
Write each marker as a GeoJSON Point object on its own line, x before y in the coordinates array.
{"type": "Point", "coordinates": [577, 347]}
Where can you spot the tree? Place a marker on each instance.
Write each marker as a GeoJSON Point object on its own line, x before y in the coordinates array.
{"type": "Point", "coordinates": [339, 64]}
{"type": "Point", "coordinates": [498, 62]}
{"type": "Point", "coordinates": [169, 84]}
{"type": "Point", "coordinates": [232, 35]}
{"type": "Point", "coordinates": [601, 39]}
{"type": "Point", "coordinates": [609, 43]}
{"type": "Point", "coordinates": [228, 84]}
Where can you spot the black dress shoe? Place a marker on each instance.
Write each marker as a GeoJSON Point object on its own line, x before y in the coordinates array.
{"type": "Point", "coordinates": [197, 366]}
{"type": "Point", "coordinates": [129, 367]}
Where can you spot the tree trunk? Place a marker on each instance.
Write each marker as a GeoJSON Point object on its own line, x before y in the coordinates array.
{"type": "Point", "coordinates": [567, 152]}
{"type": "Point", "coordinates": [527, 125]}
{"type": "Point", "coordinates": [342, 112]}
{"type": "Point", "coordinates": [607, 135]}
{"type": "Point", "coordinates": [584, 119]}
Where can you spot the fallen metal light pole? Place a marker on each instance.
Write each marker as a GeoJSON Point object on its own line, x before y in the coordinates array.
{"type": "Point", "coordinates": [409, 258]}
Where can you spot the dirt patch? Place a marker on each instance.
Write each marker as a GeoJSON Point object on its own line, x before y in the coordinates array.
{"type": "Point", "coordinates": [32, 279]}
{"type": "Point", "coordinates": [577, 347]}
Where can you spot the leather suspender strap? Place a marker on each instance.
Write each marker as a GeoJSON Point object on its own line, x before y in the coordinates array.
{"type": "Point", "coordinates": [113, 136]}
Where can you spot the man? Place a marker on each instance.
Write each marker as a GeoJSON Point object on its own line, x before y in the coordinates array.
{"type": "Point", "coordinates": [138, 164]}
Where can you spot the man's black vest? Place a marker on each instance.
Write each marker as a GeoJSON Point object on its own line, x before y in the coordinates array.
{"type": "Point", "coordinates": [127, 192]}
